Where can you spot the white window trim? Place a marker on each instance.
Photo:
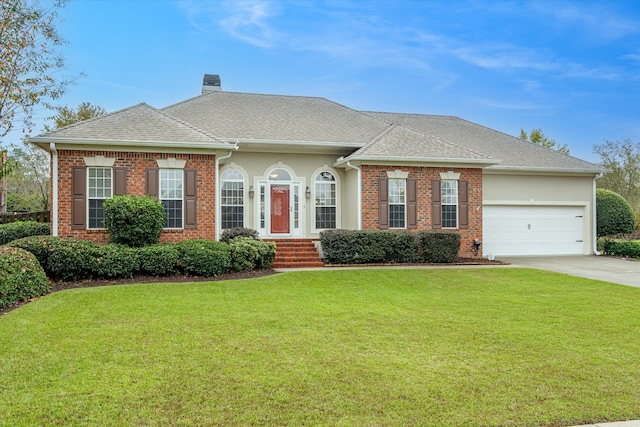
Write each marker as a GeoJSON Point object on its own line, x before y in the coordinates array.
{"type": "Point", "coordinates": [404, 183]}
{"type": "Point", "coordinates": [243, 180]}
{"type": "Point", "coordinates": [181, 198]}
{"type": "Point", "coordinates": [457, 203]}
{"type": "Point", "coordinates": [313, 198]}
{"type": "Point", "coordinates": [89, 198]}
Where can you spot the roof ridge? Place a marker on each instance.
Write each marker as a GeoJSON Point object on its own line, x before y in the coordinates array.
{"type": "Point", "coordinates": [189, 125]}
{"type": "Point", "coordinates": [432, 135]}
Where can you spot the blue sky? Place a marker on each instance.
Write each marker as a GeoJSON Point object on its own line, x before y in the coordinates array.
{"type": "Point", "coordinates": [571, 68]}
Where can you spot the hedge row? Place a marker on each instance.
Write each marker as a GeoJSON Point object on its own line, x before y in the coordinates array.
{"type": "Point", "coordinates": [75, 259]}
{"type": "Point", "coordinates": [22, 277]}
{"type": "Point", "coordinates": [384, 246]}
{"type": "Point", "coordinates": [628, 249]}
{"type": "Point", "coordinates": [19, 229]}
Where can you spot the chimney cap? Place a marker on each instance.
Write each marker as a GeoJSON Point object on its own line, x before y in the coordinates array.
{"type": "Point", "coordinates": [211, 80]}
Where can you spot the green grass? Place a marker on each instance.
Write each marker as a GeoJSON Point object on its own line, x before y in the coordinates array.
{"type": "Point", "coordinates": [370, 347]}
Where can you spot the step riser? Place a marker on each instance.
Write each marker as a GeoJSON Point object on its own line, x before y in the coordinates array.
{"type": "Point", "coordinates": [296, 253]}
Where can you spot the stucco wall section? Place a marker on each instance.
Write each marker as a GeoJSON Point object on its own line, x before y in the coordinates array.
{"type": "Point", "coordinates": [424, 176]}
{"type": "Point", "coordinates": [136, 164]}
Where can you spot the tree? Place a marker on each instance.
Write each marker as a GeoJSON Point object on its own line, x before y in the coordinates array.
{"type": "Point", "coordinates": [622, 162]}
{"type": "Point", "coordinates": [28, 182]}
{"type": "Point", "coordinates": [613, 214]}
{"type": "Point", "coordinates": [67, 116]}
{"type": "Point", "coordinates": [537, 137]}
{"type": "Point", "coordinates": [29, 61]}
{"type": "Point", "coordinates": [28, 179]}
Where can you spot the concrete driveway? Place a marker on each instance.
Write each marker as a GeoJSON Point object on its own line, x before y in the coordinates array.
{"type": "Point", "coordinates": [590, 266]}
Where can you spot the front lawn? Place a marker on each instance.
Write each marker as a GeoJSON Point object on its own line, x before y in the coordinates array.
{"type": "Point", "coordinates": [369, 347]}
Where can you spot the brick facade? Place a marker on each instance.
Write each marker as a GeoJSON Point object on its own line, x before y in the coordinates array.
{"type": "Point", "coordinates": [136, 164]}
{"type": "Point", "coordinates": [423, 176]}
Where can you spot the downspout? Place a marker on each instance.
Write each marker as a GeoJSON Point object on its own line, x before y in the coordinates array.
{"type": "Point", "coordinates": [594, 218]}
{"type": "Point", "coordinates": [54, 189]}
{"type": "Point", "coordinates": [359, 204]}
{"type": "Point", "coordinates": [217, 181]}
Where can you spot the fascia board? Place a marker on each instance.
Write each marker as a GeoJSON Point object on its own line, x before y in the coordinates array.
{"type": "Point", "coordinates": [266, 142]}
{"type": "Point", "coordinates": [417, 161]}
{"type": "Point", "coordinates": [133, 145]}
{"type": "Point", "coordinates": [518, 170]}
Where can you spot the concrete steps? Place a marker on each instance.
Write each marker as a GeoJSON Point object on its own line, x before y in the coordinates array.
{"type": "Point", "coordinates": [296, 253]}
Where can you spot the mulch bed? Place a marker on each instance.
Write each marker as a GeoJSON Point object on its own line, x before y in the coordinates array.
{"type": "Point", "coordinates": [179, 278]}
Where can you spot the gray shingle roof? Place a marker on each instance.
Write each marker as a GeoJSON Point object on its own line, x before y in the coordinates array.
{"type": "Point", "coordinates": [400, 141]}
{"type": "Point", "coordinates": [138, 123]}
{"type": "Point", "coordinates": [514, 152]}
{"type": "Point", "coordinates": [230, 115]}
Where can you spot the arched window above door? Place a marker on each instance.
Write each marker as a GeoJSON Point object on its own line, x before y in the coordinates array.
{"type": "Point", "coordinates": [279, 175]}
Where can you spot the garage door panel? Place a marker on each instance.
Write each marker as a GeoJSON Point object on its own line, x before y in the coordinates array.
{"type": "Point", "coordinates": [533, 230]}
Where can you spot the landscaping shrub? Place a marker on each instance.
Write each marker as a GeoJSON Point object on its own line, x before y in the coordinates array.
{"type": "Point", "coordinates": [613, 214]}
{"type": "Point", "coordinates": [368, 246]}
{"type": "Point", "coordinates": [628, 249]}
{"type": "Point", "coordinates": [439, 247]}
{"type": "Point", "coordinates": [18, 230]}
{"type": "Point", "coordinates": [22, 277]}
{"type": "Point", "coordinates": [40, 246]}
{"type": "Point", "coordinates": [115, 261]}
{"type": "Point", "coordinates": [248, 253]}
{"type": "Point", "coordinates": [134, 220]}
{"type": "Point", "coordinates": [159, 260]}
{"type": "Point", "coordinates": [232, 233]}
{"type": "Point", "coordinates": [72, 259]}
{"type": "Point", "coordinates": [204, 257]}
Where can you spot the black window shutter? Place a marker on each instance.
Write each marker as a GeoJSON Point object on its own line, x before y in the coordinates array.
{"type": "Point", "coordinates": [436, 205]}
{"type": "Point", "coordinates": [383, 203]}
{"type": "Point", "coordinates": [463, 203]}
{"type": "Point", "coordinates": [78, 198]}
{"type": "Point", "coordinates": [119, 181]}
{"type": "Point", "coordinates": [412, 208]}
{"type": "Point", "coordinates": [190, 198]}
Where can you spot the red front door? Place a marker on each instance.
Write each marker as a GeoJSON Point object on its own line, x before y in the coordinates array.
{"type": "Point", "coordinates": [280, 209]}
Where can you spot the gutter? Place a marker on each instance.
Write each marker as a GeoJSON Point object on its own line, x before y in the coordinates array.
{"type": "Point", "coordinates": [359, 203]}
{"type": "Point", "coordinates": [217, 186]}
{"type": "Point", "coordinates": [594, 220]}
{"type": "Point", "coordinates": [54, 188]}
{"type": "Point", "coordinates": [129, 144]}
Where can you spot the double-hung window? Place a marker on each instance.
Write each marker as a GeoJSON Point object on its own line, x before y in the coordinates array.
{"type": "Point", "coordinates": [325, 197]}
{"type": "Point", "coordinates": [232, 199]}
{"type": "Point", "coordinates": [171, 196]}
{"type": "Point", "coordinates": [99, 189]}
{"type": "Point", "coordinates": [449, 192]}
{"type": "Point", "coordinates": [397, 203]}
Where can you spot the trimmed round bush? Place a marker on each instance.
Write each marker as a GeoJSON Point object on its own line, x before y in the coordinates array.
{"type": "Point", "coordinates": [613, 214]}
{"type": "Point", "coordinates": [72, 259]}
{"type": "Point", "coordinates": [40, 246]}
{"type": "Point", "coordinates": [247, 253]}
{"type": "Point", "coordinates": [233, 233]}
{"type": "Point", "coordinates": [22, 277]}
{"type": "Point", "coordinates": [439, 247]}
{"type": "Point", "coordinates": [159, 260]}
{"type": "Point", "coordinates": [134, 220]}
{"type": "Point", "coordinates": [18, 230]}
{"type": "Point", "coordinates": [204, 257]}
{"type": "Point", "coordinates": [115, 261]}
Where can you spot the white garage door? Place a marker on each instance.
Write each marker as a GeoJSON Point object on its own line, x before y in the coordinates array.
{"type": "Point", "coordinates": [533, 230]}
